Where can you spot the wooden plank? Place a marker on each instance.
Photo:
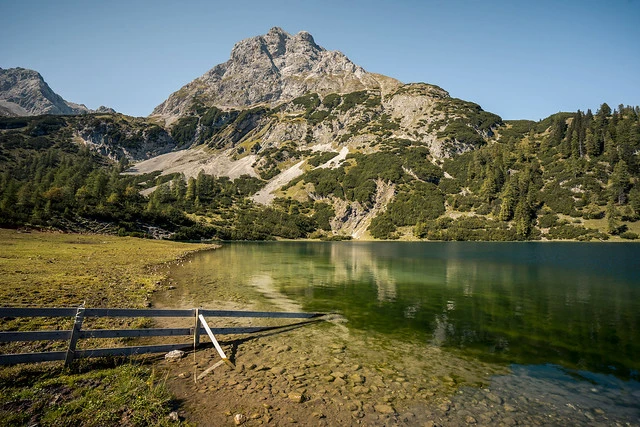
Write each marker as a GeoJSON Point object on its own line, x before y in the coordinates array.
{"type": "Point", "coordinates": [17, 336]}
{"type": "Point", "coordinates": [14, 359]}
{"type": "Point", "coordinates": [12, 336]}
{"type": "Point", "coordinates": [132, 312]}
{"type": "Point", "coordinates": [273, 314]}
{"type": "Point", "coordinates": [135, 333]}
{"type": "Point", "coordinates": [37, 312]}
{"type": "Point", "coordinates": [240, 330]}
{"type": "Point", "coordinates": [75, 335]}
{"type": "Point", "coordinates": [215, 341]}
{"type": "Point", "coordinates": [126, 312]}
{"type": "Point", "coordinates": [130, 351]}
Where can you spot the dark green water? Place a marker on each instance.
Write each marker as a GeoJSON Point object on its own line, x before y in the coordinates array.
{"type": "Point", "coordinates": [573, 305]}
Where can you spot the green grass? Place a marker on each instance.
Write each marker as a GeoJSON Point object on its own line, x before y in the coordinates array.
{"type": "Point", "coordinates": [62, 270]}
{"type": "Point", "coordinates": [125, 395]}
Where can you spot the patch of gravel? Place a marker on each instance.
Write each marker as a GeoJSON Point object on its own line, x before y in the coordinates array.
{"type": "Point", "coordinates": [191, 161]}
{"type": "Point", "coordinates": [266, 196]}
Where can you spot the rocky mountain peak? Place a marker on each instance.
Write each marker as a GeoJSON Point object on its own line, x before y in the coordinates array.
{"type": "Point", "coordinates": [24, 92]}
{"type": "Point", "coordinates": [270, 68]}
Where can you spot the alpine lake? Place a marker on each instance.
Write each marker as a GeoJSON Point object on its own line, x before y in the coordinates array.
{"type": "Point", "coordinates": [524, 333]}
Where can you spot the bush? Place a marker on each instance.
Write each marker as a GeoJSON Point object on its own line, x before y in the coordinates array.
{"type": "Point", "coordinates": [567, 231]}
{"type": "Point", "coordinates": [324, 213]}
{"type": "Point", "coordinates": [350, 100]}
{"type": "Point", "coordinates": [321, 158]}
{"type": "Point", "coordinates": [461, 132]}
{"type": "Point", "coordinates": [548, 220]}
{"type": "Point", "coordinates": [629, 235]}
{"type": "Point", "coordinates": [416, 202]}
{"type": "Point", "coordinates": [184, 131]}
{"type": "Point", "coordinates": [310, 101]}
{"type": "Point", "coordinates": [332, 100]}
{"type": "Point", "coordinates": [449, 186]}
{"type": "Point", "coordinates": [382, 227]}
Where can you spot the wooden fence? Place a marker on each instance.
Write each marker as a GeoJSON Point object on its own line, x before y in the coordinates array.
{"type": "Point", "coordinates": [80, 313]}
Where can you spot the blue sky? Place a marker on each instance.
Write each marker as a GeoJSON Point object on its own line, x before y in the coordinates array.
{"type": "Point", "coordinates": [518, 59]}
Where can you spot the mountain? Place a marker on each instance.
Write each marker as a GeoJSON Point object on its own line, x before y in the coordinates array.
{"type": "Point", "coordinates": [24, 92]}
{"type": "Point", "coordinates": [270, 69]}
{"type": "Point", "coordinates": [282, 102]}
{"type": "Point", "coordinates": [287, 139]}
{"type": "Point", "coordinates": [278, 88]}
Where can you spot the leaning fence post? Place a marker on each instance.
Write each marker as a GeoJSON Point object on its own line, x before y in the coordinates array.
{"type": "Point", "coordinates": [215, 342]}
{"type": "Point", "coordinates": [196, 331]}
{"type": "Point", "coordinates": [75, 334]}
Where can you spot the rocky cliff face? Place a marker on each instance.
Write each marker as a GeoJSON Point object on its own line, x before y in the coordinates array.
{"type": "Point", "coordinates": [25, 93]}
{"type": "Point", "coordinates": [117, 136]}
{"type": "Point", "coordinates": [298, 116]}
{"type": "Point", "coordinates": [270, 69]}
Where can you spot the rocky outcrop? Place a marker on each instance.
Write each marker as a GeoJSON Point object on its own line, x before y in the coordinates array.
{"type": "Point", "coordinates": [270, 69]}
{"type": "Point", "coordinates": [117, 137]}
{"type": "Point", "coordinates": [105, 110]}
{"type": "Point", "coordinates": [24, 92]}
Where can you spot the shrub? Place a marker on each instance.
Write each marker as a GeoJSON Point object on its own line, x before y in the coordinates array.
{"type": "Point", "coordinates": [629, 235]}
{"type": "Point", "coordinates": [382, 227]}
{"type": "Point", "coordinates": [548, 220]}
{"type": "Point", "coordinates": [321, 158]}
{"type": "Point", "coordinates": [350, 100]}
{"type": "Point", "coordinates": [332, 100]}
{"type": "Point", "coordinates": [184, 131]}
{"type": "Point", "coordinates": [416, 202]}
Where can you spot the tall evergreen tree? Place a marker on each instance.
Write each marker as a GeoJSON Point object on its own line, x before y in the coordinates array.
{"type": "Point", "coordinates": [619, 183]}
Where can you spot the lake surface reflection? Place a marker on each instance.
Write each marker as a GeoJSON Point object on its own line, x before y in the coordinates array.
{"type": "Point", "coordinates": [574, 305]}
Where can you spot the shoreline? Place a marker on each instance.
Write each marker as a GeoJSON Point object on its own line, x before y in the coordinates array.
{"type": "Point", "coordinates": [329, 374]}
{"type": "Point", "coordinates": [319, 374]}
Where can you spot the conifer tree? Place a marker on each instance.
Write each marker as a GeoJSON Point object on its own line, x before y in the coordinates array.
{"type": "Point", "coordinates": [619, 183]}
{"type": "Point", "coordinates": [509, 200]}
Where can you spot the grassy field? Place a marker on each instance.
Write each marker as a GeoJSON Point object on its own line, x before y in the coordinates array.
{"type": "Point", "coordinates": [65, 270]}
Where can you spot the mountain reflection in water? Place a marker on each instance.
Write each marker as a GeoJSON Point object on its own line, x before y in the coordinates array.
{"type": "Point", "coordinates": [574, 305]}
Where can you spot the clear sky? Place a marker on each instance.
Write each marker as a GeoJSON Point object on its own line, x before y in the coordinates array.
{"type": "Point", "coordinates": [518, 59]}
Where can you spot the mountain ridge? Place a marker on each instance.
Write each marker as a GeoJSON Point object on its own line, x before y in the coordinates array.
{"type": "Point", "coordinates": [287, 139]}
{"type": "Point", "coordinates": [269, 69]}
{"type": "Point", "coordinates": [24, 92]}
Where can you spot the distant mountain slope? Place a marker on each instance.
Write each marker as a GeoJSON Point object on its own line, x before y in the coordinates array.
{"type": "Point", "coordinates": [270, 69]}
{"type": "Point", "coordinates": [287, 139]}
{"type": "Point", "coordinates": [24, 92]}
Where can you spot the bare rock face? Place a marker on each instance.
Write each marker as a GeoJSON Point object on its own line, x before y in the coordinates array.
{"type": "Point", "coordinates": [270, 69]}
{"type": "Point", "coordinates": [24, 92]}
{"type": "Point", "coordinates": [117, 136]}
{"type": "Point", "coordinates": [105, 110]}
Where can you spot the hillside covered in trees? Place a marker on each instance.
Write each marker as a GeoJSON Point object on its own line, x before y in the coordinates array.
{"type": "Point", "coordinates": [569, 176]}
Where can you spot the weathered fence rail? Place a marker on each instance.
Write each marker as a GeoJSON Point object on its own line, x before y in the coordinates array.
{"type": "Point", "coordinates": [77, 333]}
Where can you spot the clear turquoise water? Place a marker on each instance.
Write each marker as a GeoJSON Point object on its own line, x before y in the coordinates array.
{"type": "Point", "coordinates": [573, 305]}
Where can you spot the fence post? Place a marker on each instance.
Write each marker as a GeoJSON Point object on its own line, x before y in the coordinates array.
{"type": "Point", "coordinates": [196, 331]}
{"type": "Point", "coordinates": [75, 334]}
{"type": "Point", "coordinates": [215, 342]}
